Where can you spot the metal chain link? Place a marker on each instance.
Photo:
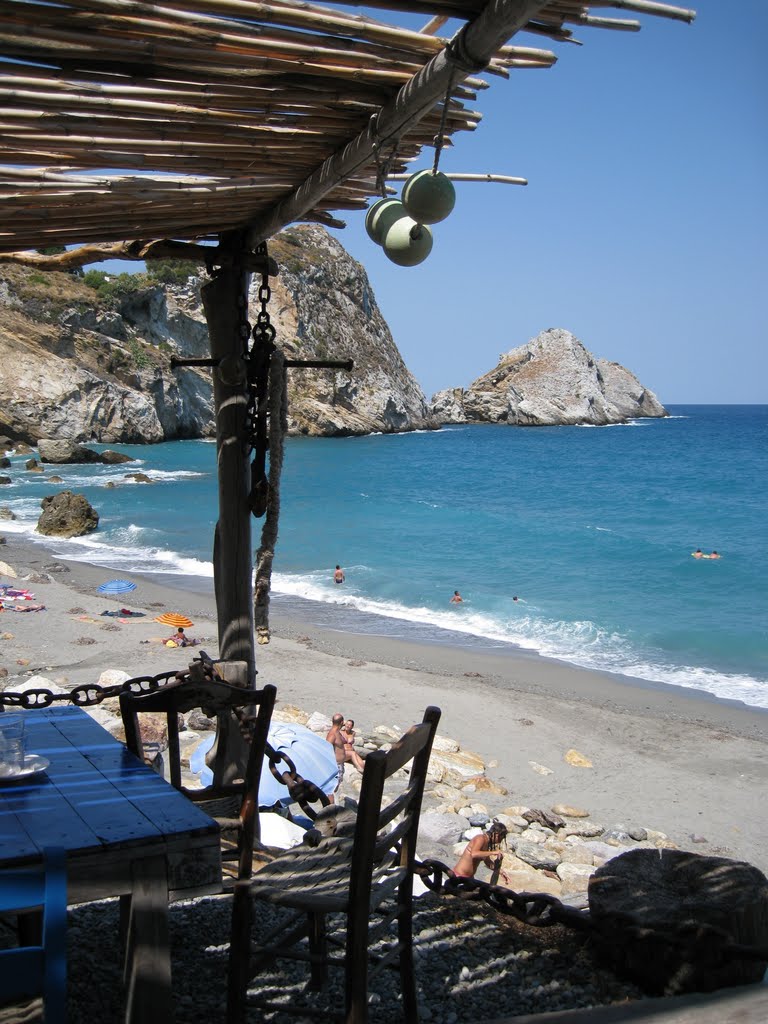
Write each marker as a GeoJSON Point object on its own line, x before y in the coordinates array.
{"type": "Point", "coordinates": [704, 943]}
{"type": "Point", "coordinates": [301, 790]}
{"type": "Point", "coordinates": [87, 694]}
{"type": "Point", "coordinates": [258, 393]}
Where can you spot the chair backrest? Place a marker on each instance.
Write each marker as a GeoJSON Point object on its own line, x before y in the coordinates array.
{"type": "Point", "coordinates": [379, 847]}
{"type": "Point", "coordinates": [214, 699]}
{"type": "Point", "coordinates": [40, 969]}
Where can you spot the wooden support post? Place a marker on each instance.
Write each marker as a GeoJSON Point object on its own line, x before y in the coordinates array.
{"type": "Point", "coordinates": [225, 301]}
{"type": "Point", "coordinates": [148, 994]}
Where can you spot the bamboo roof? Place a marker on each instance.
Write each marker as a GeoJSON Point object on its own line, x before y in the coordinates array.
{"type": "Point", "coordinates": [128, 122]}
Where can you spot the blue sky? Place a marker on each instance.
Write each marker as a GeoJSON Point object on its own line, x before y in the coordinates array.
{"type": "Point", "coordinates": [643, 227]}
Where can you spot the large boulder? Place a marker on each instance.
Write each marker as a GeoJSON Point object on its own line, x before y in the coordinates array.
{"type": "Point", "coordinates": [65, 451]}
{"type": "Point", "coordinates": [663, 918]}
{"type": "Point", "coordinates": [67, 515]}
{"type": "Point", "coordinates": [550, 381]}
{"type": "Point", "coordinates": [111, 458]}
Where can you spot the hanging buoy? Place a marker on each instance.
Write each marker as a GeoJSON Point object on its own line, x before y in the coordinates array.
{"type": "Point", "coordinates": [428, 197]}
{"type": "Point", "coordinates": [381, 216]}
{"type": "Point", "coordinates": [407, 243]}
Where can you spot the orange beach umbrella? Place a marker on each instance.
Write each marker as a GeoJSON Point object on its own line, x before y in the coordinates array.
{"type": "Point", "coordinates": [174, 619]}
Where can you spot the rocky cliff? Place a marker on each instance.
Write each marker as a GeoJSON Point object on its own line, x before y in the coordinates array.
{"type": "Point", "coordinates": [552, 380]}
{"type": "Point", "coordinates": [76, 365]}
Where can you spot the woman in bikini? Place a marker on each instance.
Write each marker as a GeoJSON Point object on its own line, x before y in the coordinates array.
{"type": "Point", "coordinates": [350, 754]}
{"type": "Point", "coordinates": [484, 847]}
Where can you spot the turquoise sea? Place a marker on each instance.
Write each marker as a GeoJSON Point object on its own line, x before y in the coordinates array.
{"type": "Point", "coordinates": [592, 528]}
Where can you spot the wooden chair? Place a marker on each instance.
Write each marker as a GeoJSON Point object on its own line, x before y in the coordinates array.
{"type": "Point", "coordinates": [37, 967]}
{"type": "Point", "coordinates": [239, 799]}
{"type": "Point", "coordinates": [351, 877]}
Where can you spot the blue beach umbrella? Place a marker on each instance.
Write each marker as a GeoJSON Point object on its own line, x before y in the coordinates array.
{"type": "Point", "coordinates": [312, 754]}
{"type": "Point", "coordinates": [117, 587]}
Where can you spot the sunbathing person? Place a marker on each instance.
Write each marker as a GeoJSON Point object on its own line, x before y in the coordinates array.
{"type": "Point", "coordinates": [351, 756]}
{"type": "Point", "coordinates": [180, 639]}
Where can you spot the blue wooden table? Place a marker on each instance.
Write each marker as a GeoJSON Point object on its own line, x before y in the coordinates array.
{"type": "Point", "coordinates": [126, 832]}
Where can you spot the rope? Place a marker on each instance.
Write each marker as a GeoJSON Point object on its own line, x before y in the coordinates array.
{"type": "Point", "coordinates": [440, 137]}
{"type": "Point", "coordinates": [383, 165]}
{"type": "Point", "coordinates": [278, 425]}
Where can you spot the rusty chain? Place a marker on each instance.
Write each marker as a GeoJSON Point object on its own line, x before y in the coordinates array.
{"type": "Point", "coordinates": [301, 790]}
{"type": "Point", "coordinates": [87, 694]}
{"type": "Point", "coordinates": [702, 942]}
{"type": "Point", "coordinates": [540, 909]}
{"type": "Point", "coordinates": [257, 362]}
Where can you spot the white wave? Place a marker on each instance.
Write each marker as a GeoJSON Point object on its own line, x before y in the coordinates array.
{"type": "Point", "coordinates": [605, 426]}
{"type": "Point", "coordinates": [725, 685]}
{"type": "Point", "coordinates": [26, 526]}
{"type": "Point", "coordinates": [110, 555]}
{"type": "Point", "coordinates": [399, 433]}
{"type": "Point", "coordinates": [580, 643]}
{"type": "Point", "coordinates": [172, 474]}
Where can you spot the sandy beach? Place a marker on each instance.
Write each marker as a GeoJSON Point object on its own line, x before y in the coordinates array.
{"type": "Point", "coordinates": [665, 758]}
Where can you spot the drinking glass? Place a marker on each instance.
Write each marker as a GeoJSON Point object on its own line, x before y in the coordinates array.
{"type": "Point", "coordinates": [11, 744]}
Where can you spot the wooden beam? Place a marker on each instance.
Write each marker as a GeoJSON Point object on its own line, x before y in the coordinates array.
{"type": "Point", "coordinates": [469, 52]}
{"type": "Point", "coordinates": [225, 298]}
{"type": "Point", "coordinates": [162, 249]}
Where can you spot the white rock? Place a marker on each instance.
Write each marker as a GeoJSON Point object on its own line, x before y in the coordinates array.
{"type": "Point", "coordinates": [602, 852]}
{"type": "Point", "coordinates": [462, 762]}
{"type": "Point", "coordinates": [540, 769]}
{"type": "Point", "coordinates": [574, 877]}
{"type": "Point", "coordinates": [113, 677]}
{"type": "Point", "coordinates": [388, 731]}
{"type": "Point", "coordinates": [37, 683]}
{"type": "Point", "coordinates": [442, 828]}
{"type": "Point", "coordinates": [587, 829]}
{"type": "Point", "coordinates": [318, 722]}
{"type": "Point", "coordinates": [446, 744]}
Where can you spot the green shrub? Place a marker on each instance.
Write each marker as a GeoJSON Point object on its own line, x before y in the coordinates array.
{"type": "Point", "coordinates": [111, 288]}
{"type": "Point", "coordinates": [140, 358]}
{"type": "Point", "coordinates": [171, 271]}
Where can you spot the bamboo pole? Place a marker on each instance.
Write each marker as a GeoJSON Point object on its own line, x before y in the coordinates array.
{"type": "Point", "coordinates": [649, 7]}
{"type": "Point", "coordinates": [477, 41]}
{"type": "Point", "coordinates": [502, 179]}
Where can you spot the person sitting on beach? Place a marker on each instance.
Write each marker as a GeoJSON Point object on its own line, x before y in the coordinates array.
{"type": "Point", "coordinates": [457, 598]}
{"type": "Point", "coordinates": [484, 847]}
{"type": "Point", "coordinates": [180, 639]}
{"type": "Point", "coordinates": [351, 756]}
{"type": "Point", "coordinates": [335, 737]}
{"type": "Point", "coordinates": [338, 575]}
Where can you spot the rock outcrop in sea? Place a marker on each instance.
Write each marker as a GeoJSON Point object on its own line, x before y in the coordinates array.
{"type": "Point", "coordinates": [91, 365]}
{"type": "Point", "coordinates": [553, 380]}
